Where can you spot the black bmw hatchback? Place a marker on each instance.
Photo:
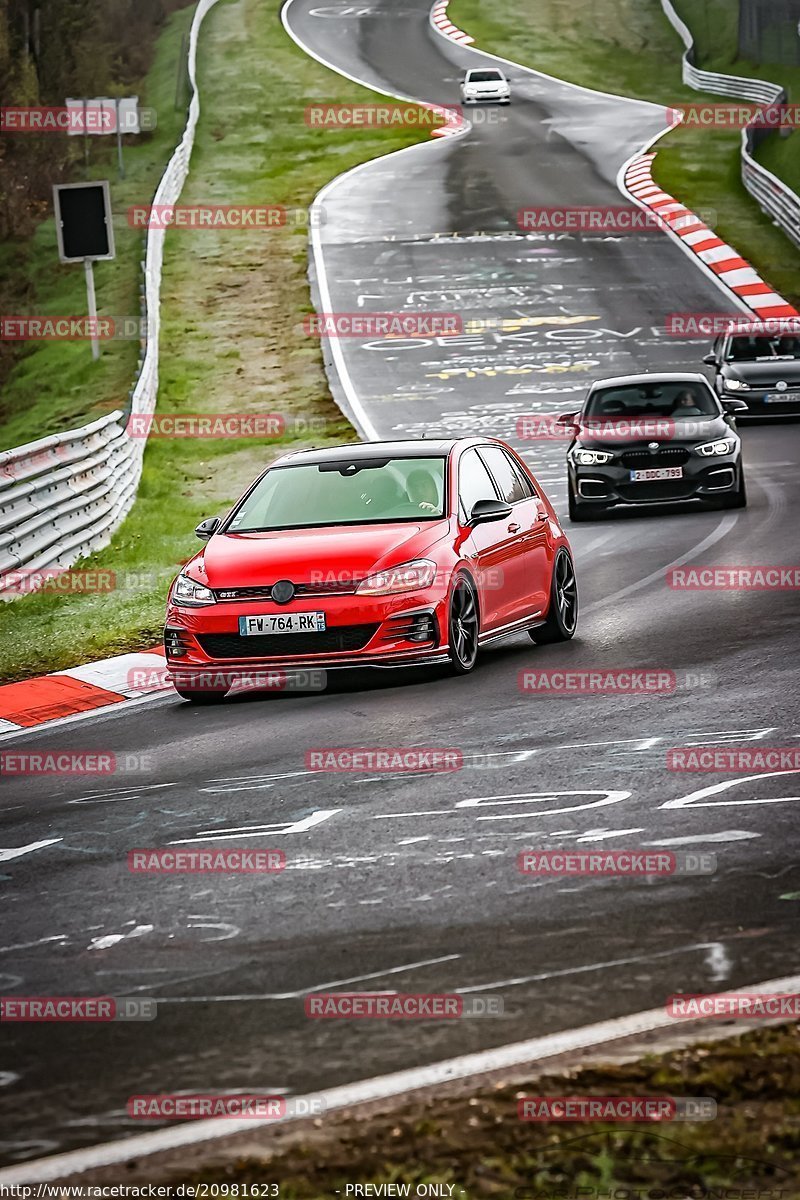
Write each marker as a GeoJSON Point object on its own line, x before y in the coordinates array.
{"type": "Point", "coordinates": [654, 439]}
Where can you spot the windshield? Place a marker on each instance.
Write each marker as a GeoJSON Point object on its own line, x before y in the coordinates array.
{"type": "Point", "coordinates": [754, 349]}
{"type": "Point", "coordinates": [352, 491]}
{"type": "Point", "coordinates": [483, 76]}
{"type": "Point", "coordinates": [674, 400]}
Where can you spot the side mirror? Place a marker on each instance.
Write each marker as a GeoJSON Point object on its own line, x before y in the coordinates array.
{"type": "Point", "coordinates": [710, 360]}
{"type": "Point", "coordinates": [567, 419]}
{"type": "Point", "coordinates": [205, 529]}
{"type": "Point", "coordinates": [488, 510]}
{"type": "Point", "coordinates": [735, 406]}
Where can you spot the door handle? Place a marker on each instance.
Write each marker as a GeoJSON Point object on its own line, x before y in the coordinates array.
{"type": "Point", "coordinates": [513, 527]}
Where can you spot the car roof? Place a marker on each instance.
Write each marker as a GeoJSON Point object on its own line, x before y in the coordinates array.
{"type": "Point", "coordinates": [472, 70]}
{"type": "Point", "coordinates": [407, 448]}
{"type": "Point", "coordinates": [651, 377]}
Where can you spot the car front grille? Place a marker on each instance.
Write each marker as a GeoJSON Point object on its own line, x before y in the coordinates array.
{"type": "Point", "coordinates": [335, 640]}
{"type": "Point", "coordinates": [329, 588]}
{"type": "Point", "coordinates": [667, 456]}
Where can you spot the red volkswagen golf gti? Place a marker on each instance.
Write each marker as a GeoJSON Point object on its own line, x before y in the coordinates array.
{"type": "Point", "coordinates": [381, 554]}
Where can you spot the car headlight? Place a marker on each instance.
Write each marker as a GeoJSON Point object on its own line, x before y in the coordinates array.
{"type": "Point", "coordinates": [736, 385]}
{"type": "Point", "coordinates": [408, 577]}
{"type": "Point", "coordinates": [186, 591]}
{"type": "Point", "coordinates": [588, 458]}
{"type": "Point", "coordinates": [723, 446]}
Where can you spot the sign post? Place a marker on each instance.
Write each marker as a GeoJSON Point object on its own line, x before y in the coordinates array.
{"type": "Point", "coordinates": [108, 114]}
{"type": "Point", "coordinates": [91, 303]}
{"type": "Point", "coordinates": [85, 234]}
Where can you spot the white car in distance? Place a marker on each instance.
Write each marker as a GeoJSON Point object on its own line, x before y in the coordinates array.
{"type": "Point", "coordinates": [481, 85]}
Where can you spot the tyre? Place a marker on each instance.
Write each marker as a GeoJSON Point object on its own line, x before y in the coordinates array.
{"type": "Point", "coordinates": [582, 512]}
{"type": "Point", "coordinates": [737, 499]}
{"type": "Point", "coordinates": [562, 616]}
{"type": "Point", "coordinates": [463, 626]}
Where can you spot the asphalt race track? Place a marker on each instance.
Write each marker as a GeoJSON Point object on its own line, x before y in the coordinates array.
{"type": "Point", "coordinates": [409, 882]}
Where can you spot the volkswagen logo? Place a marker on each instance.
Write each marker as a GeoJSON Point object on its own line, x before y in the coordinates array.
{"type": "Point", "coordinates": [652, 446]}
{"type": "Point", "coordinates": [282, 591]}
{"type": "Point", "coordinates": [781, 385]}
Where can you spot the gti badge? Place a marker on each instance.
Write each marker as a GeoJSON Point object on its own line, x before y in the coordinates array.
{"type": "Point", "coordinates": [282, 591]}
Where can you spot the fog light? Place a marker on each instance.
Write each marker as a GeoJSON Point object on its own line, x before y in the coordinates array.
{"type": "Point", "coordinates": [422, 629]}
{"type": "Point", "coordinates": [174, 643]}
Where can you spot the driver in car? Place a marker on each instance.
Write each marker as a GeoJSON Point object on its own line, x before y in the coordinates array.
{"type": "Point", "coordinates": [685, 402]}
{"type": "Point", "coordinates": [421, 490]}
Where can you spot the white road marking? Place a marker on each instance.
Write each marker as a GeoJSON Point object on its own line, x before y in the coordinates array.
{"type": "Point", "coordinates": [57, 937]}
{"type": "Point", "coordinates": [586, 968]}
{"type": "Point", "coordinates": [468, 1067]}
{"type": "Point", "coordinates": [727, 835]}
{"type": "Point", "coordinates": [18, 851]}
{"type": "Point", "coordinates": [111, 939]}
{"type": "Point", "coordinates": [719, 962]}
{"type": "Point", "coordinates": [316, 987]}
{"type": "Point", "coordinates": [227, 930]}
{"type": "Point", "coordinates": [720, 530]}
{"type": "Point", "coordinates": [715, 789]}
{"type": "Point", "coordinates": [540, 797]}
{"type": "Point", "coordinates": [127, 793]}
{"type": "Point", "coordinates": [602, 835]}
{"type": "Point", "coordinates": [249, 831]}
{"type": "Point", "coordinates": [245, 783]}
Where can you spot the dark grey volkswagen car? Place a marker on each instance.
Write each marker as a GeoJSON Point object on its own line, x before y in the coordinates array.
{"type": "Point", "coordinates": [761, 368]}
{"type": "Point", "coordinates": [654, 439]}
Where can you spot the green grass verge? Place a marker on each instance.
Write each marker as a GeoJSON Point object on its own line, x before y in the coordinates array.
{"type": "Point", "coordinates": [231, 306]}
{"type": "Point", "coordinates": [628, 47]}
{"type": "Point", "coordinates": [56, 386]}
{"type": "Point", "coordinates": [477, 1144]}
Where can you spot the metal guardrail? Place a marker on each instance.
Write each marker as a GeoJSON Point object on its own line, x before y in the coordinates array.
{"type": "Point", "coordinates": [63, 496]}
{"type": "Point", "coordinates": [774, 197]}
